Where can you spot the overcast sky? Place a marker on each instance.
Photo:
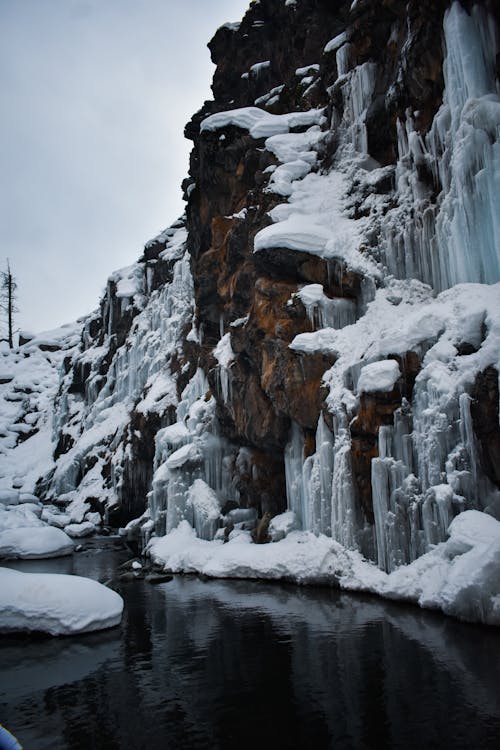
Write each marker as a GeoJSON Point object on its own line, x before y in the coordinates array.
{"type": "Point", "coordinates": [95, 96]}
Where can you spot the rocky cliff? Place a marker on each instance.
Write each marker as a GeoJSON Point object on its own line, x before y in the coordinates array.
{"type": "Point", "coordinates": [319, 334]}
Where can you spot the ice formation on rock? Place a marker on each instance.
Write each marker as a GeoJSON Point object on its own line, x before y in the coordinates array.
{"type": "Point", "coordinates": [427, 469]}
{"type": "Point", "coordinates": [458, 238]}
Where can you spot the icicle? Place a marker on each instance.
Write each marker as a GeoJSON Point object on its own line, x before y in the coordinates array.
{"type": "Point", "coordinates": [325, 312]}
{"type": "Point", "coordinates": [294, 458]}
{"type": "Point", "coordinates": [385, 441]}
{"type": "Point", "coordinates": [457, 238]}
{"type": "Point", "coordinates": [343, 59]}
{"type": "Point", "coordinates": [206, 509]}
{"type": "Point", "coordinates": [193, 465]}
{"type": "Point", "coordinates": [402, 440]}
{"type": "Point", "coordinates": [357, 93]}
{"type": "Point", "coordinates": [224, 355]}
{"type": "Point", "coordinates": [437, 441]}
{"type": "Point", "coordinates": [345, 520]}
{"type": "Point", "coordinates": [324, 452]}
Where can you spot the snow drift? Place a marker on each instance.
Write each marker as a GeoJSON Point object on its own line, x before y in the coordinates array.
{"type": "Point", "coordinates": [55, 603]}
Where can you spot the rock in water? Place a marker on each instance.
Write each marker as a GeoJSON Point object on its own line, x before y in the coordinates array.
{"type": "Point", "coordinates": [159, 578]}
{"type": "Point", "coordinates": [34, 543]}
{"type": "Point", "coordinates": [55, 603]}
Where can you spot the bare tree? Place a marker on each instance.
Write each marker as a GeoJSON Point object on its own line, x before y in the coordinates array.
{"type": "Point", "coordinates": [8, 288]}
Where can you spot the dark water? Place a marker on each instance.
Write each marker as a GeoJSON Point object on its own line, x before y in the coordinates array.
{"type": "Point", "coordinates": [248, 665]}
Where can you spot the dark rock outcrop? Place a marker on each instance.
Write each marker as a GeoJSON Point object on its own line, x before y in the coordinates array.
{"type": "Point", "coordinates": [484, 411]}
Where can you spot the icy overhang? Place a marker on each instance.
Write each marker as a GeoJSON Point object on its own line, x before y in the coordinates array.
{"type": "Point", "coordinates": [261, 124]}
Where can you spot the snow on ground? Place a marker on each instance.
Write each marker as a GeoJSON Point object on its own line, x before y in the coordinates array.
{"type": "Point", "coordinates": [55, 603]}
{"type": "Point", "coordinates": [460, 577]}
{"type": "Point", "coordinates": [64, 337]}
{"type": "Point", "coordinates": [299, 557]}
{"type": "Point", "coordinates": [27, 445]}
{"type": "Point", "coordinates": [17, 516]}
{"type": "Point", "coordinates": [282, 524]}
{"type": "Point", "coordinates": [55, 518]}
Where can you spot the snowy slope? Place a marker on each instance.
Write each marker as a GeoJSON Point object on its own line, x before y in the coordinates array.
{"type": "Point", "coordinates": [29, 381]}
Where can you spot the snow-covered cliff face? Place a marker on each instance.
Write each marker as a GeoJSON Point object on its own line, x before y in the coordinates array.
{"type": "Point", "coordinates": [29, 380]}
{"type": "Point", "coordinates": [321, 332]}
{"type": "Point", "coordinates": [120, 387]}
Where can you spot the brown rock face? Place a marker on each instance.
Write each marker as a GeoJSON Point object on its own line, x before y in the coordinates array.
{"type": "Point", "coordinates": [268, 384]}
{"type": "Point", "coordinates": [484, 411]}
{"type": "Point", "coordinates": [260, 480]}
{"type": "Point", "coordinates": [291, 381]}
{"type": "Point", "coordinates": [249, 417]}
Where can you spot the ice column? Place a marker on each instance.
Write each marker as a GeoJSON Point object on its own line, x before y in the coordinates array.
{"type": "Point", "coordinates": [192, 480]}
{"type": "Point", "coordinates": [321, 515]}
{"type": "Point", "coordinates": [294, 462]}
{"type": "Point", "coordinates": [357, 92]}
{"type": "Point", "coordinates": [468, 225]}
{"type": "Point", "coordinates": [224, 355]}
{"type": "Point", "coordinates": [325, 312]}
{"type": "Point", "coordinates": [426, 473]}
{"type": "Point", "coordinates": [309, 481]}
{"type": "Point", "coordinates": [455, 237]}
{"type": "Point", "coordinates": [320, 488]}
{"type": "Point", "coordinates": [346, 523]}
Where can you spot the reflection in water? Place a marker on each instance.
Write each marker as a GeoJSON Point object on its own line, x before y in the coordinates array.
{"type": "Point", "coordinates": [242, 664]}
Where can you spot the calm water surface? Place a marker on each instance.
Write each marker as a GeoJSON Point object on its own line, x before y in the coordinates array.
{"type": "Point", "coordinates": [238, 665]}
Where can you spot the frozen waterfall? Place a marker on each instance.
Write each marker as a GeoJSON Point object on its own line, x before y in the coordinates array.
{"type": "Point", "coordinates": [456, 239]}
{"type": "Point", "coordinates": [427, 469]}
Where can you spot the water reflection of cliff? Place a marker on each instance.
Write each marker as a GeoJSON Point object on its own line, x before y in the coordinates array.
{"type": "Point", "coordinates": [239, 664]}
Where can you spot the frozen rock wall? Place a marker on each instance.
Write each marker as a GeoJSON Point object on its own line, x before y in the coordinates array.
{"type": "Point", "coordinates": [321, 333]}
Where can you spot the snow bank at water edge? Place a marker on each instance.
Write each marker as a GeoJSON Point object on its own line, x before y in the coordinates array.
{"type": "Point", "coordinates": [56, 604]}
{"type": "Point", "coordinates": [460, 577]}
